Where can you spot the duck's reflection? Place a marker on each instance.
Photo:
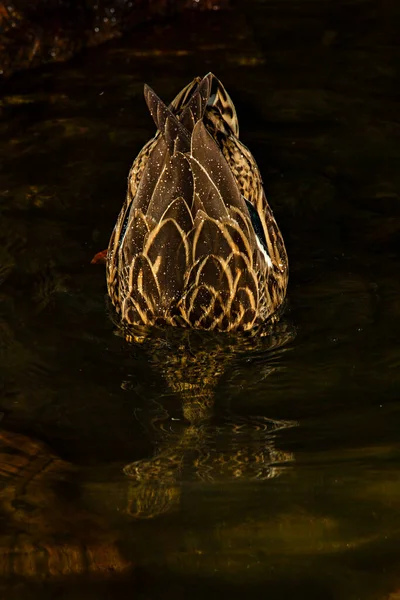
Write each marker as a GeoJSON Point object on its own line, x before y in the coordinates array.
{"type": "Point", "coordinates": [193, 443]}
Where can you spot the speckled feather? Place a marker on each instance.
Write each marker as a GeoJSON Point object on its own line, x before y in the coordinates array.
{"type": "Point", "coordinates": [196, 243]}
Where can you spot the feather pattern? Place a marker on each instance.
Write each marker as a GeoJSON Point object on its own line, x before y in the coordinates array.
{"type": "Point", "coordinates": [196, 243]}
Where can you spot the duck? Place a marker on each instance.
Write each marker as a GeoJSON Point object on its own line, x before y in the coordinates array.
{"type": "Point", "coordinates": [196, 244]}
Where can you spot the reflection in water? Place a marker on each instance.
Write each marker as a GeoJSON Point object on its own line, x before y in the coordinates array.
{"type": "Point", "coordinates": [323, 125]}
{"type": "Point", "coordinates": [48, 536]}
{"type": "Point", "coordinates": [44, 535]}
{"type": "Point", "coordinates": [193, 445]}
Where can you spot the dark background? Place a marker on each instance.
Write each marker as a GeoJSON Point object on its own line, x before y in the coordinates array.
{"type": "Point", "coordinates": [316, 88]}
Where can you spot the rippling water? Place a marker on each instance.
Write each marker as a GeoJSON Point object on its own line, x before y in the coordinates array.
{"type": "Point", "coordinates": [254, 468]}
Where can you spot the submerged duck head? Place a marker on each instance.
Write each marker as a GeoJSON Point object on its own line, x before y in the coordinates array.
{"type": "Point", "coordinates": [196, 243]}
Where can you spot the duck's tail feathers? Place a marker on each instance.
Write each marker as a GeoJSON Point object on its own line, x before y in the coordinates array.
{"type": "Point", "coordinates": [175, 134]}
{"type": "Point", "coordinates": [196, 105]}
{"type": "Point", "coordinates": [221, 103]}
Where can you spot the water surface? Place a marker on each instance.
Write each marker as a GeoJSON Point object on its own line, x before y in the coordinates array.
{"type": "Point", "coordinates": [283, 480]}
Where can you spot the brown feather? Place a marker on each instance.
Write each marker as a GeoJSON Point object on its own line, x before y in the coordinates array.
{"type": "Point", "coordinates": [166, 245]}
{"type": "Point", "coordinates": [196, 106]}
{"type": "Point", "coordinates": [208, 238]}
{"type": "Point", "coordinates": [174, 181]}
{"type": "Point", "coordinates": [206, 153]}
{"type": "Point", "coordinates": [176, 136]}
{"type": "Point", "coordinates": [151, 173]}
{"type": "Point", "coordinates": [183, 97]}
{"type": "Point", "coordinates": [185, 249]}
{"type": "Point", "coordinates": [136, 232]}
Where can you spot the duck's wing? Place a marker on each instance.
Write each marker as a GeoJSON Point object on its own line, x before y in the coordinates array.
{"type": "Point", "coordinates": [188, 246]}
{"type": "Point", "coordinates": [185, 247]}
{"type": "Point", "coordinates": [221, 283]}
{"type": "Point", "coordinates": [160, 179]}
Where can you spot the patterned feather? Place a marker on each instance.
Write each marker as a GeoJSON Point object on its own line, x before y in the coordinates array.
{"type": "Point", "coordinates": [196, 243]}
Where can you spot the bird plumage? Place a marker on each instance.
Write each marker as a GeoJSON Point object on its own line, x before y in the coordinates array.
{"type": "Point", "coordinates": [196, 243]}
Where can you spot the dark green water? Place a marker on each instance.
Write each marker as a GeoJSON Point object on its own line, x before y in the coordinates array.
{"type": "Point", "coordinates": [316, 88]}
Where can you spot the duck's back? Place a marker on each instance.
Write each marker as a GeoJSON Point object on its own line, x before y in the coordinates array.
{"type": "Point", "coordinates": [189, 248]}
